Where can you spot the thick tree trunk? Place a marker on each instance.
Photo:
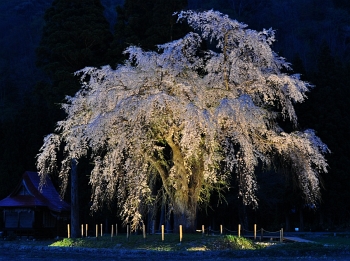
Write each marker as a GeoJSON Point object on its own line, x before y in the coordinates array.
{"type": "Point", "coordinates": [186, 217]}
{"type": "Point", "coordinates": [74, 201]}
{"type": "Point", "coordinates": [183, 188]}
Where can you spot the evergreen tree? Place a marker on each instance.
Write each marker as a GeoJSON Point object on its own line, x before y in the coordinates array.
{"type": "Point", "coordinates": [20, 27]}
{"type": "Point", "coordinates": [76, 34]}
{"type": "Point", "coordinates": [146, 23]}
{"type": "Point", "coordinates": [326, 111]}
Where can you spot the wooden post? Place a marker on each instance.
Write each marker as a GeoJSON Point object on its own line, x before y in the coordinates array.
{"type": "Point", "coordinates": [127, 231]}
{"type": "Point", "coordinates": [281, 235]}
{"type": "Point", "coordinates": [254, 231]}
{"type": "Point", "coordinates": [82, 230]}
{"type": "Point", "coordinates": [86, 230]}
{"type": "Point", "coordinates": [162, 232]}
{"type": "Point", "coordinates": [239, 230]}
{"type": "Point", "coordinates": [74, 214]}
{"type": "Point", "coordinates": [101, 230]}
{"type": "Point", "coordinates": [220, 229]}
{"type": "Point", "coordinates": [116, 229]}
{"type": "Point", "coordinates": [144, 231]}
{"type": "Point", "coordinates": [180, 229]}
{"type": "Point", "coordinates": [262, 235]}
{"type": "Point", "coordinates": [96, 230]}
{"type": "Point", "coordinates": [68, 230]}
{"type": "Point", "coordinates": [203, 230]}
{"type": "Point", "coordinates": [112, 231]}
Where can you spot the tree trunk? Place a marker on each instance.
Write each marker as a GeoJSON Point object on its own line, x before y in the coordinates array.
{"type": "Point", "coordinates": [74, 201]}
{"type": "Point", "coordinates": [287, 228]}
{"type": "Point", "coordinates": [162, 217]}
{"type": "Point", "coordinates": [186, 218]}
{"type": "Point", "coordinates": [184, 198]}
{"type": "Point", "coordinates": [301, 219]}
{"type": "Point", "coordinates": [243, 217]}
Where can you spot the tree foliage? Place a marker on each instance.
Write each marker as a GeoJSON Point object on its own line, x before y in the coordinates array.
{"type": "Point", "coordinates": [191, 118]}
{"type": "Point", "coordinates": [20, 28]}
{"type": "Point", "coordinates": [146, 23]}
{"type": "Point", "coordinates": [75, 35]}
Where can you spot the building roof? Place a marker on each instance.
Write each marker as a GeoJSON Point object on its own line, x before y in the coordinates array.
{"type": "Point", "coordinates": [27, 194]}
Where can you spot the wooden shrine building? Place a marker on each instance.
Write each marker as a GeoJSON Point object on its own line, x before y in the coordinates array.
{"type": "Point", "coordinates": [29, 211]}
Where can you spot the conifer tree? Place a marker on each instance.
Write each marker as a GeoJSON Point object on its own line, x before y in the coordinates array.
{"type": "Point", "coordinates": [76, 34]}
{"type": "Point", "coordinates": [146, 23]}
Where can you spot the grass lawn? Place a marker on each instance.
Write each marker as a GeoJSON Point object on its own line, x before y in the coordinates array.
{"type": "Point", "coordinates": [190, 242]}
{"type": "Point", "coordinates": [325, 244]}
{"type": "Point", "coordinates": [228, 246]}
{"type": "Point", "coordinates": [337, 240]}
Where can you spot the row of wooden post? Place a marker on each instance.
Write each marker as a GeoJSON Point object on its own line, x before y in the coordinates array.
{"type": "Point", "coordinates": [261, 231]}
{"type": "Point", "coordinates": [85, 232]}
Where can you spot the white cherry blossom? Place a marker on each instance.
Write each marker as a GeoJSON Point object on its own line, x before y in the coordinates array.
{"type": "Point", "coordinates": [192, 119]}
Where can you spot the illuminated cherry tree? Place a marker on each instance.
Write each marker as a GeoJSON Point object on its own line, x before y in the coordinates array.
{"type": "Point", "coordinates": [188, 119]}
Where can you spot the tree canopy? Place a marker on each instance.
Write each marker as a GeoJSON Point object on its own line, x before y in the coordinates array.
{"type": "Point", "coordinates": [188, 119]}
{"type": "Point", "coordinates": [146, 23]}
{"type": "Point", "coordinates": [75, 35]}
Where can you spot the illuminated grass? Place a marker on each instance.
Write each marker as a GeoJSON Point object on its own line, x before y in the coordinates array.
{"type": "Point", "coordinates": [190, 242]}
{"type": "Point", "coordinates": [220, 246]}
{"type": "Point", "coordinates": [234, 242]}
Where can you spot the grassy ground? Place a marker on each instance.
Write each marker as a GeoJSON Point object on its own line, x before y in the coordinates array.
{"type": "Point", "coordinates": [331, 239]}
{"type": "Point", "coordinates": [190, 242]}
{"type": "Point", "coordinates": [228, 246]}
{"type": "Point", "coordinates": [325, 244]}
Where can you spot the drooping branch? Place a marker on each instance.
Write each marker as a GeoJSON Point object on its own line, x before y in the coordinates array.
{"type": "Point", "coordinates": [182, 103]}
{"type": "Point", "coordinates": [161, 171]}
{"type": "Point", "coordinates": [226, 76]}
